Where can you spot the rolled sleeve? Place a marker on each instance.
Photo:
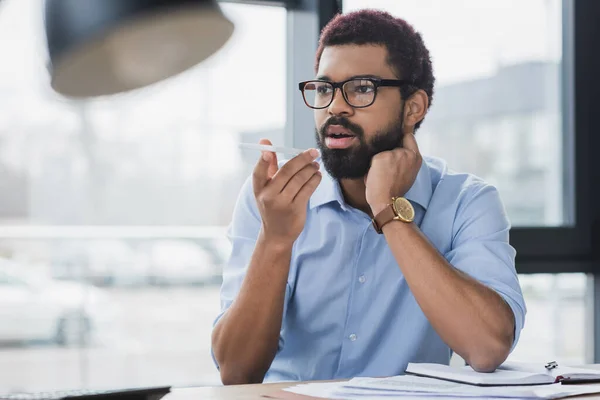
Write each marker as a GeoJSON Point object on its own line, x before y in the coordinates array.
{"type": "Point", "coordinates": [242, 233]}
{"type": "Point", "coordinates": [481, 248]}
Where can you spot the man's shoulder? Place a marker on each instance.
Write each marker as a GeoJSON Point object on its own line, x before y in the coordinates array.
{"type": "Point", "coordinates": [462, 198]}
{"type": "Point", "coordinates": [447, 182]}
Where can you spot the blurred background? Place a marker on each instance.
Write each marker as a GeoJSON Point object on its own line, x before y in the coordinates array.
{"type": "Point", "coordinates": [113, 211]}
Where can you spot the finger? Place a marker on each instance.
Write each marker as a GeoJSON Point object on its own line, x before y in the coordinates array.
{"type": "Point", "coordinates": [409, 142]}
{"type": "Point", "coordinates": [299, 179]}
{"type": "Point", "coordinates": [308, 189]}
{"type": "Point", "coordinates": [273, 166]}
{"type": "Point", "coordinates": [260, 175]}
{"type": "Point", "coordinates": [264, 166]}
{"type": "Point", "coordinates": [286, 172]}
{"type": "Point", "coordinates": [271, 157]}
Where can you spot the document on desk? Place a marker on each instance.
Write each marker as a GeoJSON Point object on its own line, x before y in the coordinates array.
{"type": "Point", "coordinates": [413, 387]}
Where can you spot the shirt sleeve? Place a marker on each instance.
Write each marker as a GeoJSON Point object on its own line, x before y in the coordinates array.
{"type": "Point", "coordinates": [481, 248]}
{"type": "Point", "coordinates": [242, 233]}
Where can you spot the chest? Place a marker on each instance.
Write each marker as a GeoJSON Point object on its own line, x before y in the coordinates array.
{"type": "Point", "coordinates": [339, 257]}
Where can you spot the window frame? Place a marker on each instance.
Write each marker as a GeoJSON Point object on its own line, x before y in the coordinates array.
{"type": "Point", "coordinates": [305, 20]}
{"type": "Point", "coordinates": [570, 248]}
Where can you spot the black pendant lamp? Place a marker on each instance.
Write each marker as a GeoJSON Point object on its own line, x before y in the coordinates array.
{"type": "Point", "coordinates": [103, 47]}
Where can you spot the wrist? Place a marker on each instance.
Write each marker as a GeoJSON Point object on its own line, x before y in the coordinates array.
{"type": "Point", "coordinates": [276, 243]}
{"type": "Point", "coordinates": [379, 206]}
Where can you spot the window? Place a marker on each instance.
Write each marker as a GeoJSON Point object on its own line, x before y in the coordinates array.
{"type": "Point", "coordinates": [503, 109]}
{"type": "Point", "coordinates": [496, 110]}
{"type": "Point", "coordinates": [117, 208]}
{"type": "Point", "coordinates": [558, 319]}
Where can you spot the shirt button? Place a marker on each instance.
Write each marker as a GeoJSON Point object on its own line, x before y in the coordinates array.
{"type": "Point", "coordinates": [362, 279]}
{"type": "Point", "coordinates": [352, 337]}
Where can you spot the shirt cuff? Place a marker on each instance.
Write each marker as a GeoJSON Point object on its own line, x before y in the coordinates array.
{"type": "Point", "coordinates": [518, 314]}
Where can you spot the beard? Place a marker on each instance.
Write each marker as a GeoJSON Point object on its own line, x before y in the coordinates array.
{"type": "Point", "coordinates": [355, 161]}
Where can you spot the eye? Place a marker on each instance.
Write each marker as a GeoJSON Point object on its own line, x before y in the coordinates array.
{"type": "Point", "coordinates": [364, 89]}
{"type": "Point", "coordinates": [323, 89]}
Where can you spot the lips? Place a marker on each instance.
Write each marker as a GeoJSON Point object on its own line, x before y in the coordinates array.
{"type": "Point", "coordinates": [338, 137]}
{"type": "Point", "coordinates": [338, 131]}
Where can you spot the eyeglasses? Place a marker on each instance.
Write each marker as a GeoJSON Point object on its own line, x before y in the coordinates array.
{"type": "Point", "coordinates": [358, 92]}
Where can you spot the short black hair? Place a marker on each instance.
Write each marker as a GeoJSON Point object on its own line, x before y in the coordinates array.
{"type": "Point", "coordinates": [407, 54]}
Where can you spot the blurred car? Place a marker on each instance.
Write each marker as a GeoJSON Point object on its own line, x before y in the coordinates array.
{"type": "Point", "coordinates": [34, 307]}
{"type": "Point", "coordinates": [108, 262]}
{"type": "Point", "coordinates": [181, 262]}
{"type": "Point", "coordinates": [220, 248]}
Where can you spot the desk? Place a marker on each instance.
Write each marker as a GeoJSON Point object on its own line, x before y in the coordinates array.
{"type": "Point", "coordinates": [238, 392]}
{"type": "Point", "coordinates": [254, 392]}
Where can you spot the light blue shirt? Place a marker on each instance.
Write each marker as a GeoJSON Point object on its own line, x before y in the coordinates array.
{"type": "Point", "coordinates": [348, 310]}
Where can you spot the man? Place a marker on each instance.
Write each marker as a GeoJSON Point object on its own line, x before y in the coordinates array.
{"type": "Point", "coordinates": [386, 259]}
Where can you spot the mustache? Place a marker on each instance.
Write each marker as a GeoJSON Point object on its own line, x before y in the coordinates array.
{"type": "Point", "coordinates": [344, 122]}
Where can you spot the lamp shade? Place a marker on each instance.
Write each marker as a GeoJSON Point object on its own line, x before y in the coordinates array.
{"type": "Point", "coordinates": [103, 47]}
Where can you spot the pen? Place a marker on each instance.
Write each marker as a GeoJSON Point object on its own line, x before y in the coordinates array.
{"type": "Point", "coordinates": [276, 149]}
{"type": "Point", "coordinates": [551, 365]}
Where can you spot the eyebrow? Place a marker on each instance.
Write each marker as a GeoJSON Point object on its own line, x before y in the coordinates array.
{"type": "Point", "coordinates": [326, 78]}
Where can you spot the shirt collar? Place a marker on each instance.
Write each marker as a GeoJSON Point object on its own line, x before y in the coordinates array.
{"type": "Point", "coordinates": [421, 191]}
{"type": "Point", "coordinates": [329, 189]}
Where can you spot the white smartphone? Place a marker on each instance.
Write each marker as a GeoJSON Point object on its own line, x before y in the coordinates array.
{"type": "Point", "coordinates": [275, 149]}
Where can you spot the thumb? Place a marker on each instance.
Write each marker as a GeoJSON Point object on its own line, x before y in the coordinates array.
{"type": "Point", "coordinates": [410, 142]}
{"type": "Point", "coordinates": [269, 157]}
{"type": "Point", "coordinates": [265, 168]}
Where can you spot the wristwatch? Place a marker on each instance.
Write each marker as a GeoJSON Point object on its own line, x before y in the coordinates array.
{"type": "Point", "coordinates": [399, 210]}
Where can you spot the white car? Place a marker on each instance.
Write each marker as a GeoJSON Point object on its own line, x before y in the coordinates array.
{"type": "Point", "coordinates": [181, 262]}
{"type": "Point", "coordinates": [99, 262]}
{"type": "Point", "coordinates": [33, 307]}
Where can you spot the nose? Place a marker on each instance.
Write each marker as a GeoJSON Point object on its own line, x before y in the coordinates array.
{"type": "Point", "coordinates": [338, 105]}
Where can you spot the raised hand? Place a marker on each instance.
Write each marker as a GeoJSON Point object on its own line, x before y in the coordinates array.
{"type": "Point", "coordinates": [282, 194]}
{"type": "Point", "coordinates": [392, 173]}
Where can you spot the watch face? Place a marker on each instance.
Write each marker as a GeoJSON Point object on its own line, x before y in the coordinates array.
{"type": "Point", "coordinates": [404, 210]}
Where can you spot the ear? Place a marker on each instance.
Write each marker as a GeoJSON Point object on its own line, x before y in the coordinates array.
{"type": "Point", "coordinates": [415, 109]}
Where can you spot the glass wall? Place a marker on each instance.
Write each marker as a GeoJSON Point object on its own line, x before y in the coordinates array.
{"type": "Point", "coordinates": [558, 322]}
{"type": "Point", "coordinates": [113, 211]}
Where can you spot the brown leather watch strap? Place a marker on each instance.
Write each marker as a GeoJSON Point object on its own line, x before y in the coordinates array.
{"type": "Point", "coordinates": [384, 216]}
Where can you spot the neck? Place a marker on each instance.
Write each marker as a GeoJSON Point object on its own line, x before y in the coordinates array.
{"type": "Point", "coordinates": [354, 191]}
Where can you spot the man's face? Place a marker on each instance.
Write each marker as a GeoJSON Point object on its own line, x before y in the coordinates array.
{"type": "Point", "coordinates": [349, 137]}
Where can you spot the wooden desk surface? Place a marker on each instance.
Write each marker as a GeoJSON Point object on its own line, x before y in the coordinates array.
{"type": "Point", "coordinates": [239, 392]}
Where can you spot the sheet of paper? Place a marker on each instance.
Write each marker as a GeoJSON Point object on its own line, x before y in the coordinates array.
{"type": "Point", "coordinates": [331, 391]}
{"type": "Point", "coordinates": [415, 386]}
{"type": "Point", "coordinates": [409, 383]}
{"type": "Point", "coordinates": [408, 387]}
{"type": "Point", "coordinates": [431, 387]}
{"type": "Point", "coordinates": [560, 391]}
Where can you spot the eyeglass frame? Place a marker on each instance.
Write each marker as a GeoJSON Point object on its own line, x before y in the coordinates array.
{"type": "Point", "coordinates": [377, 83]}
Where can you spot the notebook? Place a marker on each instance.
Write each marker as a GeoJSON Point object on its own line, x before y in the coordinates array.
{"type": "Point", "coordinates": [508, 374]}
